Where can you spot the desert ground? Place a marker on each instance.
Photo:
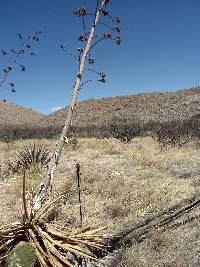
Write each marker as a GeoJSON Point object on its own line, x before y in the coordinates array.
{"type": "Point", "coordinates": [121, 184]}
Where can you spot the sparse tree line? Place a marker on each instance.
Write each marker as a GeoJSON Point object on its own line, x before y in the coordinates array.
{"type": "Point", "coordinates": [171, 133]}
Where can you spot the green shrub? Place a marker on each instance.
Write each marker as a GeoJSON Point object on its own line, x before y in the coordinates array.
{"type": "Point", "coordinates": [72, 143]}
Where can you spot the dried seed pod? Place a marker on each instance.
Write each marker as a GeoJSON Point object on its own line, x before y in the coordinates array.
{"type": "Point", "coordinates": [63, 46]}
{"type": "Point", "coordinates": [19, 36]}
{"type": "Point", "coordinates": [102, 80]}
{"type": "Point", "coordinates": [116, 29]}
{"type": "Point", "coordinates": [83, 37]}
{"type": "Point", "coordinates": [91, 60]}
{"type": "Point", "coordinates": [8, 69]}
{"type": "Point", "coordinates": [4, 52]}
{"type": "Point", "coordinates": [27, 46]}
{"type": "Point", "coordinates": [102, 75]}
{"type": "Point", "coordinates": [23, 68]}
{"type": "Point", "coordinates": [80, 11]}
{"type": "Point", "coordinates": [116, 20]}
{"type": "Point", "coordinates": [107, 35]}
{"type": "Point", "coordinates": [22, 51]}
{"type": "Point", "coordinates": [80, 50]}
{"type": "Point", "coordinates": [117, 40]}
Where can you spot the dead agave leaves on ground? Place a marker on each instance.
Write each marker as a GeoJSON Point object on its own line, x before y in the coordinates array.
{"type": "Point", "coordinates": [53, 244]}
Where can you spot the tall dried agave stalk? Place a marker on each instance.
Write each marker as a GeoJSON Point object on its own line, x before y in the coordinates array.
{"type": "Point", "coordinates": [43, 189]}
{"type": "Point", "coordinates": [54, 245]}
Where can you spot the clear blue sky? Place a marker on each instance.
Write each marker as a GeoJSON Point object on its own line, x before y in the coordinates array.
{"type": "Point", "coordinates": [160, 49]}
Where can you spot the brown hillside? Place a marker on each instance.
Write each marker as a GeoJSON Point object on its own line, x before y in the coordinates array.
{"type": "Point", "coordinates": [146, 107]}
{"type": "Point", "coordinates": [11, 114]}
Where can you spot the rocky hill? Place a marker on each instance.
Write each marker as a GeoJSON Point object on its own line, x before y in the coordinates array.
{"type": "Point", "coordinates": [11, 114]}
{"type": "Point", "coordinates": [176, 113]}
{"type": "Point", "coordinates": [159, 107]}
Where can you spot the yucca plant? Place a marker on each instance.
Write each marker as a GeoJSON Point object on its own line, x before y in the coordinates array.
{"type": "Point", "coordinates": [35, 156]}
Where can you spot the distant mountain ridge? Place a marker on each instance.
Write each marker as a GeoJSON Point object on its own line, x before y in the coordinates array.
{"type": "Point", "coordinates": [145, 107]}
{"type": "Point", "coordinates": [11, 114]}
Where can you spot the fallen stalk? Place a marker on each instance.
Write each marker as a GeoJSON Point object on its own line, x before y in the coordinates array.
{"type": "Point", "coordinates": [158, 220]}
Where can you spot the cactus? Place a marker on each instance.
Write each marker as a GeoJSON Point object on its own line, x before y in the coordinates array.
{"type": "Point", "coordinates": [22, 256]}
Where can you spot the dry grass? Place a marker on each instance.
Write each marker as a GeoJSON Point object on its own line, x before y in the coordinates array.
{"type": "Point", "coordinates": [121, 183]}
{"type": "Point", "coordinates": [177, 247]}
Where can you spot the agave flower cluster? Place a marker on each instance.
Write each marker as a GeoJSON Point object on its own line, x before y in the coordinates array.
{"type": "Point", "coordinates": [112, 24]}
{"type": "Point", "coordinates": [14, 58]}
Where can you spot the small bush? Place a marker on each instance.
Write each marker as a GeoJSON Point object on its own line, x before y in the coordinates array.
{"type": "Point", "coordinates": [124, 130]}
{"type": "Point", "coordinates": [72, 143]}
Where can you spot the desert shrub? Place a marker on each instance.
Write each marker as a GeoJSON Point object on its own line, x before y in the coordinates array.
{"type": "Point", "coordinates": [16, 132]}
{"type": "Point", "coordinates": [22, 255]}
{"type": "Point", "coordinates": [167, 133]}
{"type": "Point", "coordinates": [34, 156]}
{"type": "Point", "coordinates": [176, 133]}
{"type": "Point", "coordinates": [124, 130]}
{"type": "Point", "coordinates": [72, 143]}
{"type": "Point", "coordinates": [9, 168]}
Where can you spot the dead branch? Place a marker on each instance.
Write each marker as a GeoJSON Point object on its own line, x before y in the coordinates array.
{"type": "Point", "coordinates": [159, 220]}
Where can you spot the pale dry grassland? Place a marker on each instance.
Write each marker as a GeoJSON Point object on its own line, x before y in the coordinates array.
{"type": "Point", "coordinates": [121, 184]}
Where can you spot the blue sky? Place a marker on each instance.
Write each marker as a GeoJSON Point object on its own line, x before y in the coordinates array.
{"type": "Point", "coordinates": [160, 49]}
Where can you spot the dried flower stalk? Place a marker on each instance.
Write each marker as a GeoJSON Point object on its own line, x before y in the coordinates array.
{"type": "Point", "coordinates": [42, 191]}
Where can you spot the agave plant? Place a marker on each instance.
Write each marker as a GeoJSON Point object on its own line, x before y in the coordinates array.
{"type": "Point", "coordinates": [35, 156]}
